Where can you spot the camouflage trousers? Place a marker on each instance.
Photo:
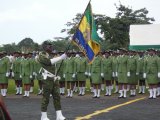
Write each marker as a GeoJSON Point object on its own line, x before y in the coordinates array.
{"type": "Point", "coordinates": [50, 87]}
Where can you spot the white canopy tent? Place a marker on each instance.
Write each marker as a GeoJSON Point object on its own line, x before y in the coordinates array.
{"type": "Point", "coordinates": [143, 37]}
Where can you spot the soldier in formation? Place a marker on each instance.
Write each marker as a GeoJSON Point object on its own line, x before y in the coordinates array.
{"type": "Point", "coordinates": [125, 70]}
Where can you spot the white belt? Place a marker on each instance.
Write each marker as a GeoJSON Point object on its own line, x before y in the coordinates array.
{"type": "Point", "coordinates": [46, 74]}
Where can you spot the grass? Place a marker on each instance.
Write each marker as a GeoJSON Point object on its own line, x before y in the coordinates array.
{"type": "Point", "coordinates": [12, 87]}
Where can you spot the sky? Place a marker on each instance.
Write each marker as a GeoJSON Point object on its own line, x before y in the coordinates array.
{"type": "Point", "coordinates": [44, 19]}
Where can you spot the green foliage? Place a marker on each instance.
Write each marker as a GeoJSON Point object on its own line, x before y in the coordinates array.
{"type": "Point", "coordinates": [115, 31]}
{"type": "Point", "coordinates": [9, 48]}
{"type": "Point", "coordinates": [27, 45]}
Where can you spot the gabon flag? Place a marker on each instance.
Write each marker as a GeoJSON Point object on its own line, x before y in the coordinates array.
{"type": "Point", "coordinates": [86, 37]}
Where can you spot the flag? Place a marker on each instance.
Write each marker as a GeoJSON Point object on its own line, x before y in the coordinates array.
{"type": "Point", "coordinates": [86, 37]}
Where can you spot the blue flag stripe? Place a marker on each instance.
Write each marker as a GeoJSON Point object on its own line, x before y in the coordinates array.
{"type": "Point", "coordinates": [83, 45]}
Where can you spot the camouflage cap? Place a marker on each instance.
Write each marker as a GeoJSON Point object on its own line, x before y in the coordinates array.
{"type": "Point", "coordinates": [46, 43]}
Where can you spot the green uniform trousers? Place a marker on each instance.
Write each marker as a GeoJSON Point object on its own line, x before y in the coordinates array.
{"type": "Point", "coordinates": [50, 87]}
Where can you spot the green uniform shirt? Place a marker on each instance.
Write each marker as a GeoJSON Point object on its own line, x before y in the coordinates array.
{"type": "Point", "coordinates": [107, 68]}
{"type": "Point", "coordinates": [152, 68]}
{"type": "Point", "coordinates": [16, 68]}
{"type": "Point", "coordinates": [122, 69]}
{"type": "Point", "coordinates": [96, 70]}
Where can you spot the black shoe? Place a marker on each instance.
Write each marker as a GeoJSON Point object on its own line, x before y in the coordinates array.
{"type": "Point", "coordinates": [94, 97]}
{"type": "Point", "coordinates": [131, 95]}
{"type": "Point", "coordinates": [124, 97]}
{"type": "Point", "coordinates": [39, 93]}
{"type": "Point", "coordinates": [120, 97]}
{"type": "Point", "coordinates": [115, 92]}
{"type": "Point", "coordinates": [79, 94]}
{"type": "Point", "coordinates": [106, 95]}
{"type": "Point", "coordinates": [150, 98]}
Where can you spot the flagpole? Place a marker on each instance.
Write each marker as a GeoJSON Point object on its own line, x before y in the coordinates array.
{"type": "Point", "coordinates": [71, 40]}
{"type": "Point", "coordinates": [63, 60]}
{"type": "Point", "coordinates": [83, 13]}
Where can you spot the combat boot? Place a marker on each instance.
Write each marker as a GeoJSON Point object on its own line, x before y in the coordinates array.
{"type": "Point", "coordinates": [44, 116]}
{"type": "Point", "coordinates": [59, 115]}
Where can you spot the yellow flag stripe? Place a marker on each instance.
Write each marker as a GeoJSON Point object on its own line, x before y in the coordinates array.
{"type": "Point", "coordinates": [84, 27]}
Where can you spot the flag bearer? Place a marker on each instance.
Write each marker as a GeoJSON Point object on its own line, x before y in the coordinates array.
{"type": "Point", "coordinates": [50, 81]}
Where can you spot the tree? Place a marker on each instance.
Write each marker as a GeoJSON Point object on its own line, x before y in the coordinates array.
{"type": "Point", "coordinates": [28, 45]}
{"type": "Point", "coordinates": [72, 26]}
{"type": "Point", "coordinates": [10, 48]}
{"type": "Point", "coordinates": [115, 31]}
{"type": "Point", "coordinates": [125, 17]}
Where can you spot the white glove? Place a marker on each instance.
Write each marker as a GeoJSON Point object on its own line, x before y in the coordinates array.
{"type": "Point", "coordinates": [158, 74]}
{"type": "Point", "coordinates": [128, 74]}
{"type": "Point", "coordinates": [73, 76]}
{"type": "Point", "coordinates": [89, 74]}
{"type": "Point", "coordinates": [57, 78]}
{"type": "Point", "coordinates": [116, 74]}
{"type": "Point", "coordinates": [113, 74]}
{"type": "Point", "coordinates": [56, 59]}
{"type": "Point", "coordinates": [12, 74]}
{"type": "Point", "coordinates": [20, 76]}
{"type": "Point", "coordinates": [34, 73]}
{"type": "Point", "coordinates": [7, 74]}
{"type": "Point", "coordinates": [36, 58]}
{"type": "Point", "coordinates": [44, 76]}
{"type": "Point", "coordinates": [86, 73]}
{"type": "Point", "coordinates": [63, 56]}
{"type": "Point", "coordinates": [144, 75]}
{"type": "Point", "coordinates": [30, 76]}
{"type": "Point", "coordinates": [137, 73]}
{"type": "Point", "coordinates": [102, 74]}
{"type": "Point", "coordinates": [64, 75]}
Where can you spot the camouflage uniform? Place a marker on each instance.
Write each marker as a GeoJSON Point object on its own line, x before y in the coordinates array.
{"type": "Point", "coordinates": [49, 85]}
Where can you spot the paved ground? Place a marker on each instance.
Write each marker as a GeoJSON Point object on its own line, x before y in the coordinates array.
{"type": "Point", "coordinates": [78, 107]}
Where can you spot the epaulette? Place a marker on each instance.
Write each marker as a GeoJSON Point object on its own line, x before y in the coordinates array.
{"type": "Point", "coordinates": [44, 54]}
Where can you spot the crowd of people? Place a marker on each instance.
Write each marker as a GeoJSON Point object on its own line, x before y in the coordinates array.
{"type": "Point", "coordinates": [121, 70]}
